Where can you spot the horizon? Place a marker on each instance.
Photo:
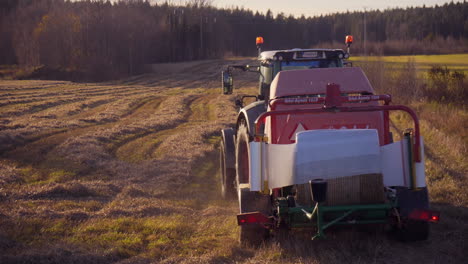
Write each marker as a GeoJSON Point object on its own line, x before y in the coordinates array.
{"type": "Point", "coordinates": [324, 8]}
{"type": "Point", "coordinates": [320, 8]}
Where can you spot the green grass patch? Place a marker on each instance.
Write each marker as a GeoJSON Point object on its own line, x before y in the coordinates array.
{"type": "Point", "coordinates": [202, 110]}
{"type": "Point", "coordinates": [424, 62]}
{"type": "Point", "coordinates": [33, 175]}
{"type": "Point", "coordinates": [130, 236]}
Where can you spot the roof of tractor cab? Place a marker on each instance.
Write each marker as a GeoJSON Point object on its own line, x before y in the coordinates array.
{"type": "Point", "coordinates": [301, 54]}
{"type": "Point", "coordinates": [314, 81]}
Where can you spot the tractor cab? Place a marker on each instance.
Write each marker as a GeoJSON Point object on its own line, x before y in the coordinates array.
{"type": "Point", "coordinates": [273, 62]}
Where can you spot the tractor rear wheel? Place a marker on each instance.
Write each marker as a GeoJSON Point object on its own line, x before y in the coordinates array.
{"type": "Point", "coordinates": [227, 165]}
{"type": "Point", "coordinates": [242, 154]}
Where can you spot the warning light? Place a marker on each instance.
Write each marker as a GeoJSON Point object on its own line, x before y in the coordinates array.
{"type": "Point", "coordinates": [425, 215]}
{"type": "Point", "coordinates": [259, 41]}
{"type": "Point", "coordinates": [349, 40]}
{"type": "Point", "coordinates": [252, 218]}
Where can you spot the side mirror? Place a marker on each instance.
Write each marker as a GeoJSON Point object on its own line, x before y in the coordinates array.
{"type": "Point", "coordinates": [227, 82]}
{"type": "Point", "coordinates": [239, 103]}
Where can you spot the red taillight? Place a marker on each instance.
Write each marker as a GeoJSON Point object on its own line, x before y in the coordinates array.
{"type": "Point", "coordinates": [252, 218]}
{"type": "Point", "coordinates": [425, 215]}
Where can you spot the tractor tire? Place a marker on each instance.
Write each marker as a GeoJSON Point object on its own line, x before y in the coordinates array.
{"type": "Point", "coordinates": [254, 234]}
{"type": "Point", "coordinates": [242, 154]}
{"type": "Point", "coordinates": [227, 165]}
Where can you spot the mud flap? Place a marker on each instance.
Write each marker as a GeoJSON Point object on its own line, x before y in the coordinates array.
{"type": "Point", "coordinates": [408, 200]}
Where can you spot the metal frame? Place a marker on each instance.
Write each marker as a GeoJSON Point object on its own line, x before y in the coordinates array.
{"type": "Point", "coordinates": [323, 216]}
{"type": "Point", "coordinates": [332, 103]}
{"type": "Point", "coordinates": [316, 216]}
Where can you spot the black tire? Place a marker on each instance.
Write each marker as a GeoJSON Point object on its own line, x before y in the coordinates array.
{"type": "Point", "coordinates": [412, 230]}
{"type": "Point", "coordinates": [242, 154]}
{"type": "Point", "coordinates": [253, 235]}
{"type": "Point", "coordinates": [227, 165]}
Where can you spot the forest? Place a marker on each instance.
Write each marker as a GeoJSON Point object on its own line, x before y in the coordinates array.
{"type": "Point", "coordinates": [100, 39]}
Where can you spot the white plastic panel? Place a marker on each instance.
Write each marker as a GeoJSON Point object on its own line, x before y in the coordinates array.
{"type": "Point", "coordinates": [255, 166]}
{"type": "Point", "coordinates": [280, 165]}
{"type": "Point", "coordinates": [328, 154]}
{"type": "Point", "coordinates": [394, 166]}
{"type": "Point", "coordinates": [420, 169]}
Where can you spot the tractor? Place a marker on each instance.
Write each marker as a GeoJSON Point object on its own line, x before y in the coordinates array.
{"type": "Point", "coordinates": [315, 150]}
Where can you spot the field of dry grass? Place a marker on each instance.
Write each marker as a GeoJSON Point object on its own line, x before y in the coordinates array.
{"type": "Point", "coordinates": [126, 172]}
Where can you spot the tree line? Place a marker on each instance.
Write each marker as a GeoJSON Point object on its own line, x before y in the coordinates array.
{"type": "Point", "coordinates": [105, 39]}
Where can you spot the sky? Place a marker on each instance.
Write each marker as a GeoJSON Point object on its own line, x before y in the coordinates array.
{"type": "Point", "coordinates": [317, 7]}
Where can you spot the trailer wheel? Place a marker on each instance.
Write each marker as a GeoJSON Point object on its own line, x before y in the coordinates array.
{"type": "Point", "coordinates": [253, 234]}
{"type": "Point", "coordinates": [227, 164]}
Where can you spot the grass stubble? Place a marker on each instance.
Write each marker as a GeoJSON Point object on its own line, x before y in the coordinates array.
{"type": "Point", "coordinates": [126, 172]}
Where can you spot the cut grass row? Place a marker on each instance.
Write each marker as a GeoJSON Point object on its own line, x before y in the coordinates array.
{"type": "Point", "coordinates": [158, 237]}
{"type": "Point", "coordinates": [120, 226]}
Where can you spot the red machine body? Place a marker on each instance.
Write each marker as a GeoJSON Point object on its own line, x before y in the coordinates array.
{"type": "Point", "coordinates": [309, 88]}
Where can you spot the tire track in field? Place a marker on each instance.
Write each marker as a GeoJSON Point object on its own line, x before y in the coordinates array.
{"type": "Point", "coordinates": [97, 147]}
{"type": "Point", "coordinates": [200, 110]}
{"type": "Point", "coordinates": [144, 146]}
{"type": "Point", "coordinates": [37, 150]}
{"type": "Point", "coordinates": [188, 141]}
{"type": "Point", "coordinates": [84, 121]}
{"type": "Point", "coordinates": [10, 102]}
{"type": "Point", "coordinates": [39, 107]}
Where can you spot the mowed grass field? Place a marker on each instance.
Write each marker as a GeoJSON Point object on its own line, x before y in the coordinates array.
{"type": "Point", "coordinates": [127, 172]}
